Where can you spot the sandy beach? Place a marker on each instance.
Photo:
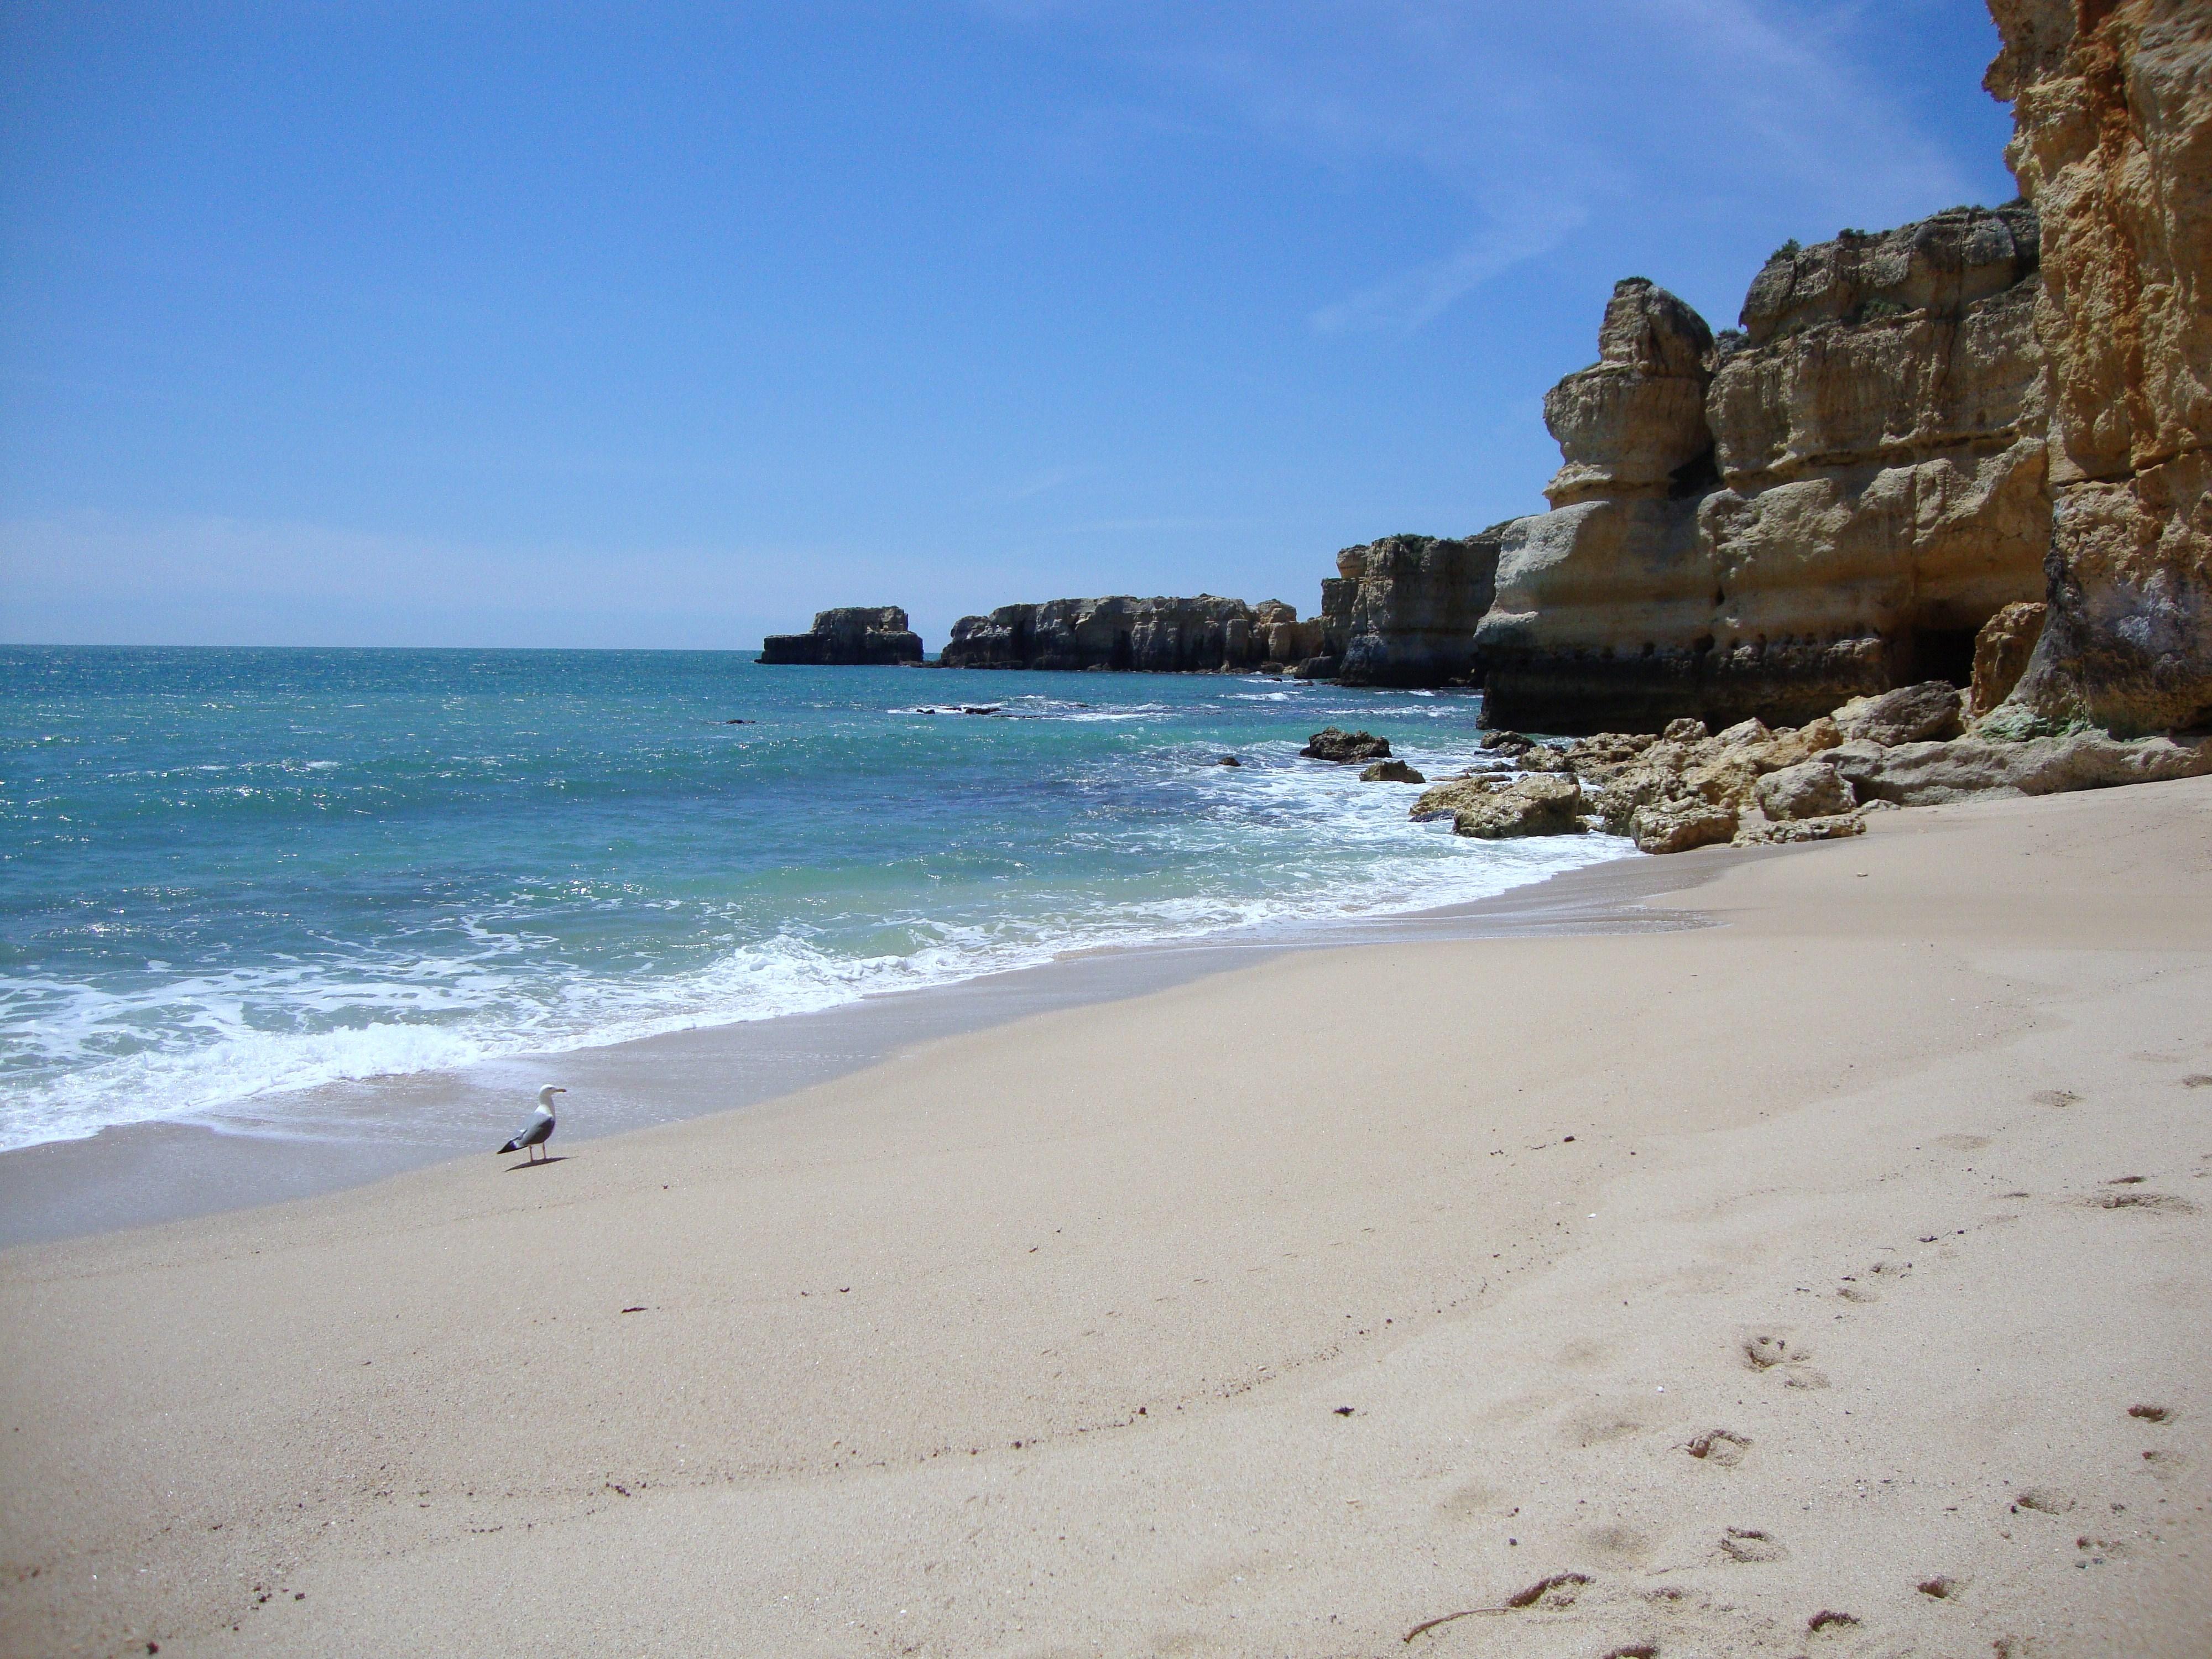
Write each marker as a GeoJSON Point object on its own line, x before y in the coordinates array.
{"type": "Point", "coordinates": [1833, 1279]}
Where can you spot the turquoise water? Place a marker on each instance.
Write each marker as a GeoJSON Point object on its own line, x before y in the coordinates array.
{"type": "Point", "coordinates": [233, 874]}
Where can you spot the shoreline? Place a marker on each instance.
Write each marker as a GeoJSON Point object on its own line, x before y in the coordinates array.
{"type": "Point", "coordinates": [1834, 1280]}
{"type": "Point", "coordinates": [354, 1133]}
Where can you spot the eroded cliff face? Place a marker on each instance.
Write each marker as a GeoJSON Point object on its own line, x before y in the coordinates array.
{"type": "Point", "coordinates": [1403, 610]}
{"type": "Point", "coordinates": [2112, 116]}
{"type": "Point", "coordinates": [852, 636]}
{"type": "Point", "coordinates": [1856, 486]}
{"type": "Point", "coordinates": [1156, 635]}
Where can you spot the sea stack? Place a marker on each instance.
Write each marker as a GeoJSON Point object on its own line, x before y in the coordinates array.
{"type": "Point", "coordinates": [1204, 634]}
{"type": "Point", "coordinates": [853, 636]}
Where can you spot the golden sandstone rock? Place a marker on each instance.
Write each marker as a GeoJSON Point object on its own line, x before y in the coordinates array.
{"type": "Point", "coordinates": [2113, 141]}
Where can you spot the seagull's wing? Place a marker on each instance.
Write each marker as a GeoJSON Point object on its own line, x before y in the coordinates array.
{"type": "Point", "coordinates": [537, 1129]}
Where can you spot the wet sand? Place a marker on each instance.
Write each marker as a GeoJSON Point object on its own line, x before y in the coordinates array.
{"type": "Point", "coordinates": [1833, 1279]}
{"type": "Point", "coordinates": [347, 1135]}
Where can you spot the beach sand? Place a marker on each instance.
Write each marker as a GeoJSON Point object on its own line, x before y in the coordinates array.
{"type": "Point", "coordinates": [1280, 1312]}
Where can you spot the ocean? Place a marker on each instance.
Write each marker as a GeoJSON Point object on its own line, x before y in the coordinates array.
{"type": "Point", "coordinates": [233, 876]}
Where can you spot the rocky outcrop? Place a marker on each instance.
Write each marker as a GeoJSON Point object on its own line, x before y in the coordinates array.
{"type": "Point", "coordinates": [1633, 424]}
{"type": "Point", "coordinates": [2002, 652]}
{"type": "Point", "coordinates": [873, 635]}
{"type": "Point", "coordinates": [2113, 141]}
{"type": "Point", "coordinates": [1869, 491]}
{"type": "Point", "coordinates": [1753, 784]}
{"type": "Point", "coordinates": [1152, 636]}
{"type": "Point", "coordinates": [1391, 771]}
{"type": "Point", "coordinates": [1403, 610]}
{"type": "Point", "coordinates": [1931, 774]}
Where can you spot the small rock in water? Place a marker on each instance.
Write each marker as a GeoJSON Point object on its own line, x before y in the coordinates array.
{"type": "Point", "coordinates": [1332, 745]}
{"type": "Point", "coordinates": [1229, 760]}
{"type": "Point", "coordinates": [1391, 771]}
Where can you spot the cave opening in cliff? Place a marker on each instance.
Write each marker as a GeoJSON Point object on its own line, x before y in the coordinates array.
{"type": "Point", "coordinates": [1943, 653]}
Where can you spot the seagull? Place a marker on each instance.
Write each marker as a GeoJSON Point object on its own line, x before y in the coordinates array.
{"type": "Point", "coordinates": [538, 1127]}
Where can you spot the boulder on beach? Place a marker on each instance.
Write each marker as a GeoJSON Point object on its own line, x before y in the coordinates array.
{"type": "Point", "coordinates": [1911, 713]}
{"type": "Point", "coordinates": [1810, 789]}
{"type": "Point", "coordinates": [1678, 823]}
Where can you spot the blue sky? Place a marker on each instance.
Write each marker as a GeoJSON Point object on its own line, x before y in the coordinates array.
{"type": "Point", "coordinates": [667, 325]}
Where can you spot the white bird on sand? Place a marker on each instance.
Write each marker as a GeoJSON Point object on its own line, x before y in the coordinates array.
{"type": "Point", "coordinates": [538, 1128]}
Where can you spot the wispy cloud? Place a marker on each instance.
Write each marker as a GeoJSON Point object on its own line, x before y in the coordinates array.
{"type": "Point", "coordinates": [1412, 299]}
{"type": "Point", "coordinates": [1042, 483]}
{"type": "Point", "coordinates": [1530, 122]}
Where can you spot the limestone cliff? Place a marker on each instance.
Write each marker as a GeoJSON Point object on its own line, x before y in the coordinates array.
{"type": "Point", "coordinates": [1828, 504]}
{"type": "Point", "coordinates": [851, 635]}
{"type": "Point", "coordinates": [1403, 610]}
{"type": "Point", "coordinates": [2112, 118]}
{"type": "Point", "coordinates": [1157, 635]}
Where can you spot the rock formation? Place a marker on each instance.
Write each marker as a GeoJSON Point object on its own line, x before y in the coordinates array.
{"type": "Point", "coordinates": [1831, 503]}
{"type": "Point", "coordinates": [1332, 744]}
{"type": "Point", "coordinates": [1391, 771]}
{"type": "Point", "coordinates": [1154, 635]}
{"type": "Point", "coordinates": [2113, 141]}
{"type": "Point", "coordinates": [1920, 438]}
{"type": "Point", "coordinates": [853, 636]}
{"type": "Point", "coordinates": [1752, 784]}
{"type": "Point", "coordinates": [1402, 610]}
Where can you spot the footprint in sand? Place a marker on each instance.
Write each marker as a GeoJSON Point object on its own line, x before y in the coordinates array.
{"type": "Point", "coordinates": [1763, 1350]}
{"type": "Point", "coordinates": [1618, 1546]}
{"type": "Point", "coordinates": [2157, 1203]}
{"type": "Point", "coordinates": [2044, 1500]}
{"type": "Point", "coordinates": [1748, 1544]}
{"type": "Point", "coordinates": [2197, 1080]}
{"type": "Point", "coordinates": [2164, 1464]}
{"type": "Point", "coordinates": [1594, 1428]}
{"type": "Point", "coordinates": [1724, 1447]}
{"type": "Point", "coordinates": [2056, 1098]}
{"type": "Point", "coordinates": [1853, 1291]}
